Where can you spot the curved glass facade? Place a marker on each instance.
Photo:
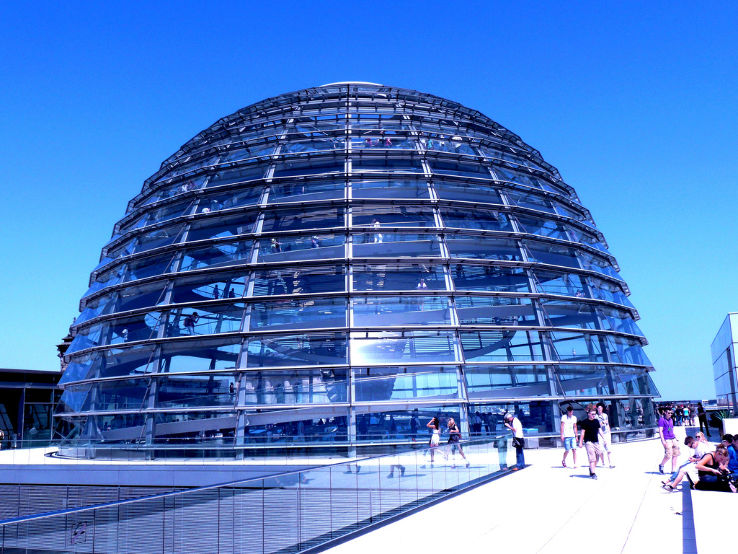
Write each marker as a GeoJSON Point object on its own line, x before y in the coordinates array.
{"type": "Point", "coordinates": [332, 267]}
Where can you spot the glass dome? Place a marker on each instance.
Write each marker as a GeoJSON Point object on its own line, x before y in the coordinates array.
{"type": "Point", "coordinates": [327, 269]}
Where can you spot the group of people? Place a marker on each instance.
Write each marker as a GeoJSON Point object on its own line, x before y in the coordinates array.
{"type": "Point", "coordinates": [707, 468]}
{"type": "Point", "coordinates": [593, 434]}
{"type": "Point", "coordinates": [454, 439]}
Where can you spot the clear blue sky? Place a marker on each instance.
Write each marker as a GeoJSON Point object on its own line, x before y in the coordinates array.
{"type": "Point", "coordinates": [634, 102]}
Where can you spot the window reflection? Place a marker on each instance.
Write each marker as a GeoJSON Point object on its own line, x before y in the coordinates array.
{"type": "Point", "coordinates": [377, 347]}
{"type": "Point", "coordinates": [489, 278]}
{"type": "Point", "coordinates": [391, 244]}
{"type": "Point", "coordinates": [298, 314]}
{"type": "Point", "coordinates": [305, 349]}
{"type": "Point", "coordinates": [399, 277]}
{"type": "Point", "coordinates": [393, 311]}
{"type": "Point", "coordinates": [299, 281]}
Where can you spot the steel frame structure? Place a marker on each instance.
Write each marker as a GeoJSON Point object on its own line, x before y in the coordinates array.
{"type": "Point", "coordinates": [330, 268]}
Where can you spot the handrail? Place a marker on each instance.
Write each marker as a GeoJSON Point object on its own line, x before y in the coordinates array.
{"type": "Point", "coordinates": [46, 515]}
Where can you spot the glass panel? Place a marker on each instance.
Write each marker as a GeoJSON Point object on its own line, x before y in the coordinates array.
{"type": "Point", "coordinates": [628, 380]}
{"type": "Point", "coordinates": [195, 428]}
{"type": "Point", "coordinates": [392, 311]}
{"type": "Point", "coordinates": [391, 245]}
{"type": "Point", "coordinates": [382, 141]}
{"type": "Point", "coordinates": [495, 310]}
{"type": "Point", "coordinates": [584, 380]}
{"type": "Point", "coordinates": [302, 281]}
{"type": "Point", "coordinates": [506, 381]}
{"type": "Point", "coordinates": [295, 386]}
{"type": "Point", "coordinates": [208, 287]}
{"type": "Point", "coordinates": [595, 263]}
{"type": "Point", "coordinates": [529, 200]}
{"type": "Point", "coordinates": [392, 216]}
{"type": "Point", "coordinates": [207, 319]}
{"type": "Point", "coordinates": [140, 327]}
{"type": "Point", "coordinates": [199, 356]}
{"type": "Point", "coordinates": [234, 198]}
{"type": "Point", "coordinates": [545, 227]}
{"type": "Point", "coordinates": [87, 338]}
{"type": "Point", "coordinates": [159, 238]}
{"type": "Point", "coordinates": [170, 211]}
{"type": "Point", "coordinates": [580, 347]}
{"type": "Point", "coordinates": [219, 227]}
{"type": "Point", "coordinates": [553, 282]}
{"type": "Point", "coordinates": [402, 383]}
{"type": "Point", "coordinates": [486, 248]}
{"type": "Point", "coordinates": [306, 190]}
{"type": "Point", "coordinates": [393, 424]}
{"type": "Point", "coordinates": [298, 314]}
{"type": "Point", "coordinates": [626, 351]}
{"type": "Point", "coordinates": [132, 298]}
{"type": "Point", "coordinates": [217, 255]}
{"type": "Point", "coordinates": [455, 168]}
{"type": "Point", "coordinates": [137, 360]}
{"type": "Point", "coordinates": [288, 350]}
{"type": "Point", "coordinates": [381, 347]}
{"type": "Point", "coordinates": [561, 313]}
{"type": "Point", "coordinates": [194, 391]}
{"type": "Point", "coordinates": [317, 166]}
{"type": "Point", "coordinates": [501, 345]}
{"type": "Point", "coordinates": [266, 428]}
{"type": "Point", "coordinates": [390, 188]}
{"type": "Point", "coordinates": [467, 218]}
{"type": "Point", "coordinates": [245, 152]}
{"type": "Point", "coordinates": [148, 267]}
{"type": "Point", "coordinates": [608, 291]}
{"type": "Point", "coordinates": [322, 246]}
{"type": "Point", "coordinates": [239, 175]}
{"type": "Point", "coordinates": [443, 143]}
{"type": "Point", "coordinates": [332, 143]}
{"type": "Point", "coordinates": [363, 164]}
{"type": "Point", "coordinates": [469, 192]}
{"type": "Point", "coordinates": [399, 277]}
{"type": "Point", "coordinates": [118, 395]}
{"type": "Point", "coordinates": [535, 417]}
{"type": "Point", "coordinates": [288, 220]}
{"type": "Point", "coordinates": [552, 254]}
{"type": "Point", "coordinates": [490, 278]}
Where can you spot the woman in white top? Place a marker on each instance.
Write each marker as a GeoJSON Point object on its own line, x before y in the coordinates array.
{"type": "Point", "coordinates": [435, 439]}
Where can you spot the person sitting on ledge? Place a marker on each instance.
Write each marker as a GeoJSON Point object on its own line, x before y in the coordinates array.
{"type": "Point", "coordinates": [713, 472]}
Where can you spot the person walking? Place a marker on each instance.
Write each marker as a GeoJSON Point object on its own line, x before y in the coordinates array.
{"type": "Point", "coordinates": [589, 438]}
{"type": "Point", "coordinates": [702, 417]}
{"type": "Point", "coordinates": [605, 435]}
{"type": "Point", "coordinates": [569, 435]}
{"type": "Point", "coordinates": [435, 426]}
{"type": "Point", "coordinates": [454, 439]}
{"type": "Point", "coordinates": [513, 423]}
{"type": "Point", "coordinates": [668, 441]}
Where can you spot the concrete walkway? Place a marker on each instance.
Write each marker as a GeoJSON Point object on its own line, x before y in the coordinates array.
{"type": "Point", "coordinates": [551, 509]}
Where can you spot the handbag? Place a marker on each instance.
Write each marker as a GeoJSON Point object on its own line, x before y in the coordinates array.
{"type": "Point", "coordinates": [518, 442]}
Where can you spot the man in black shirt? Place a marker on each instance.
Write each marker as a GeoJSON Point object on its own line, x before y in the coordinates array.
{"type": "Point", "coordinates": [590, 437]}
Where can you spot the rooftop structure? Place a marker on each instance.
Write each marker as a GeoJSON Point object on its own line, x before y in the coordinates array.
{"type": "Point", "coordinates": [330, 268]}
{"type": "Point", "coordinates": [724, 366]}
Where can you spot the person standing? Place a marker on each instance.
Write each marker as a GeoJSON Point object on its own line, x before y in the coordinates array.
{"type": "Point", "coordinates": [513, 423]}
{"type": "Point", "coordinates": [605, 434]}
{"type": "Point", "coordinates": [590, 437]}
{"type": "Point", "coordinates": [702, 416]}
{"type": "Point", "coordinates": [454, 439]}
{"type": "Point", "coordinates": [668, 441]}
{"type": "Point", "coordinates": [435, 426]}
{"type": "Point", "coordinates": [569, 435]}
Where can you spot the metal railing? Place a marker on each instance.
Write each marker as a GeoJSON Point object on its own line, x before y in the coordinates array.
{"type": "Point", "coordinates": [289, 512]}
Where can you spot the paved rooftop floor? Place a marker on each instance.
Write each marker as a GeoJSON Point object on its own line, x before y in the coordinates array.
{"type": "Point", "coordinates": [551, 509]}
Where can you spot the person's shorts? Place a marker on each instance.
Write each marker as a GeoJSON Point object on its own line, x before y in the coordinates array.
{"type": "Point", "coordinates": [671, 448]}
{"type": "Point", "coordinates": [605, 441]}
{"type": "Point", "coordinates": [569, 443]}
{"type": "Point", "coordinates": [593, 449]}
